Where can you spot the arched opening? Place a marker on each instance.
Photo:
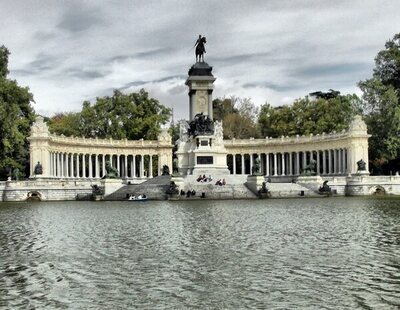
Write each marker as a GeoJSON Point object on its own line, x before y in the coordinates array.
{"type": "Point", "coordinates": [379, 191]}
{"type": "Point", "coordinates": [34, 196]}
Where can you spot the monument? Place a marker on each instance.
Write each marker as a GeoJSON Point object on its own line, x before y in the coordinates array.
{"type": "Point", "coordinates": [200, 146]}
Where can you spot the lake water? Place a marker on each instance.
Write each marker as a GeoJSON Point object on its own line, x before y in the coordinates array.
{"type": "Point", "coordinates": [329, 253]}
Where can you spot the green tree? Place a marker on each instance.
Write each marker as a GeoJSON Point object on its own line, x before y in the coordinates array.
{"type": "Point", "coordinates": [238, 117]}
{"type": "Point", "coordinates": [309, 116]}
{"type": "Point", "coordinates": [16, 117]}
{"type": "Point", "coordinates": [381, 108]}
{"type": "Point", "coordinates": [120, 116]}
{"type": "Point", "coordinates": [66, 124]}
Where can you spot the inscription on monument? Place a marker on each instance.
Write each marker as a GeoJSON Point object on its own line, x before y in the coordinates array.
{"type": "Point", "coordinates": [205, 160]}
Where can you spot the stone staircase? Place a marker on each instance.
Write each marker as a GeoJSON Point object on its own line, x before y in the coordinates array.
{"type": "Point", "coordinates": [154, 189]}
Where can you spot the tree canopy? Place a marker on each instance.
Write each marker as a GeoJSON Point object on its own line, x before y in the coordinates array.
{"type": "Point", "coordinates": [120, 116]}
{"type": "Point", "coordinates": [381, 108]}
{"type": "Point", "coordinates": [16, 117]}
{"type": "Point", "coordinates": [306, 116]}
{"type": "Point", "coordinates": [238, 117]}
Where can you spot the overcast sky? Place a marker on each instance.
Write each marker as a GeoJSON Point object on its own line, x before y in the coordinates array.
{"type": "Point", "coordinates": [271, 51]}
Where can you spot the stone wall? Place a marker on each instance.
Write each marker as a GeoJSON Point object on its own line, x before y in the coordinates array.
{"type": "Point", "coordinates": [46, 190]}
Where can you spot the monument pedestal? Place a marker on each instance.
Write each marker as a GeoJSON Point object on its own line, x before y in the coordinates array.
{"type": "Point", "coordinates": [255, 182]}
{"type": "Point", "coordinates": [111, 185]}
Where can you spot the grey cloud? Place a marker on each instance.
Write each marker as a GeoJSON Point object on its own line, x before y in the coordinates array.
{"type": "Point", "coordinates": [79, 18]}
{"type": "Point", "coordinates": [132, 84]}
{"type": "Point", "coordinates": [276, 87]}
{"type": "Point", "coordinates": [141, 55]}
{"type": "Point", "coordinates": [333, 69]}
{"type": "Point", "coordinates": [178, 89]}
{"type": "Point", "coordinates": [169, 78]}
{"type": "Point", "coordinates": [42, 63]}
{"type": "Point", "coordinates": [85, 74]}
{"type": "Point", "coordinates": [141, 83]}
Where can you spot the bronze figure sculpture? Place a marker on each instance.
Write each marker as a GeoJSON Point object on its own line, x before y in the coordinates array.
{"type": "Point", "coordinates": [200, 48]}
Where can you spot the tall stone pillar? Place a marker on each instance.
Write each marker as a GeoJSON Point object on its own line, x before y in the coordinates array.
{"type": "Point", "coordinates": [200, 83]}
{"type": "Point", "coordinates": [283, 164]}
{"type": "Point", "coordinates": [275, 165]}
{"type": "Point", "coordinates": [234, 163]}
{"type": "Point", "coordinates": [267, 164]}
{"type": "Point", "coordinates": [39, 141]}
{"type": "Point", "coordinates": [243, 167]}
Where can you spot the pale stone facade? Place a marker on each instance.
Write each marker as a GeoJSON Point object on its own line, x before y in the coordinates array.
{"type": "Point", "coordinates": [70, 157]}
{"type": "Point", "coordinates": [335, 153]}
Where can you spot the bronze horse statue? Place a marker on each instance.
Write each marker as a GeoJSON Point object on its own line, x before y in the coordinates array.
{"type": "Point", "coordinates": [200, 48]}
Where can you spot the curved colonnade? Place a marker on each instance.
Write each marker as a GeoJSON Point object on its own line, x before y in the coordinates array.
{"type": "Point", "coordinates": [334, 154]}
{"type": "Point", "coordinates": [70, 157]}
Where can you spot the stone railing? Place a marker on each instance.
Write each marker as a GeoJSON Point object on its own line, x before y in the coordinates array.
{"type": "Point", "coordinates": [106, 142]}
{"type": "Point", "coordinates": [288, 140]}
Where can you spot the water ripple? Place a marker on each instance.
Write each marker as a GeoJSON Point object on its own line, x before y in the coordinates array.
{"type": "Point", "coordinates": [280, 254]}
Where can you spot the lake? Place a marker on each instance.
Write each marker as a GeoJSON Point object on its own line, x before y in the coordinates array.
{"type": "Point", "coordinates": [330, 253]}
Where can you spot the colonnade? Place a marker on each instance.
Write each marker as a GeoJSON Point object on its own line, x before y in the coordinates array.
{"type": "Point", "coordinates": [328, 162]}
{"type": "Point", "coordinates": [78, 165]}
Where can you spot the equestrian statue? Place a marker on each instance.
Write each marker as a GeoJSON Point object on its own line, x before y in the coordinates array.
{"type": "Point", "coordinates": [200, 48]}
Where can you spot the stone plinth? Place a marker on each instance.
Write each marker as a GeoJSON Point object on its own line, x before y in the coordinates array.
{"type": "Point", "coordinates": [254, 182]}
{"type": "Point", "coordinates": [312, 182]}
{"type": "Point", "coordinates": [178, 180]}
{"type": "Point", "coordinates": [111, 185]}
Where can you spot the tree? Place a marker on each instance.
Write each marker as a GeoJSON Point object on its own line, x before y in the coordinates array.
{"type": "Point", "coordinates": [381, 108]}
{"type": "Point", "coordinates": [66, 124]}
{"type": "Point", "coordinates": [120, 116]}
{"type": "Point", "coordinates": [238, 117]}
{"type": "Point", "coordinates": [16, 117]}
{"type": "Point", "coordinates": [308, 116]}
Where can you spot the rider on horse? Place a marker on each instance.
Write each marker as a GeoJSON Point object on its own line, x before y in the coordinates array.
{"type": "Point", "coordinates": [200, 48]}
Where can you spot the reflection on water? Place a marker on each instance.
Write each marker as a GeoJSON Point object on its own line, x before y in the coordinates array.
{"type": "Point", "coordinates": [300, 253]}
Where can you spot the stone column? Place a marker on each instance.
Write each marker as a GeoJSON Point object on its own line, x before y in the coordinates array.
{"type": "Point", "coordinates": [125, 166]}
{"type": "Point", "coordinates": [290, 163]}
{"type": "Point", "coordinates": [283, 164]}
{"type": "Point", "coordinates": [318, 164]}
{"type": "Point", "coordinates": [97, 166]}
{"type": "Point", "coordinates": [150, 166]}
{"type": "Point", "coordinates": [90, 166]}
{"type": "Point", "coordinates": [323, 162]}
{"type": "Point", "coordinates": [329, 161]}
{"type": "Point", "coordinates": [234, 163]}
{"type": "Point", "coordinates": [275, 165]}
{"type": "Point", "coordinates": [297, 163]}
{"type": "Point", "coordinates": [103, 172]}
{"type": "Point", "coordinates": [142, 166]}
{"type": "Point", "coordinates": [134, 166]}
{"type": "Point", "coordinates": [67, 165]}
{"type": "Point", "coordinates": [84, 166]}
{"type": "Point", "coordinates": [243, 167]}
{"type": "Point", "coordinates": [210, 105]}
{"type": "Point", "coordinates": [304, 159]}
{"type": "Point", "coordinates": [251, 162]}
{"type": "Point", "coordinates": [58, 165]}
{"type": "Point", "coordinates": [334, 163]}
{"type": "Point", "coordinates": [267, 164]}
{"type": "Point", "coordinates": [118, 165]}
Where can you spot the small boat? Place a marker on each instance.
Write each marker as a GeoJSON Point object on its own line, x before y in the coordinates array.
{"type": "Point", "coordinates": [137, 198]}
